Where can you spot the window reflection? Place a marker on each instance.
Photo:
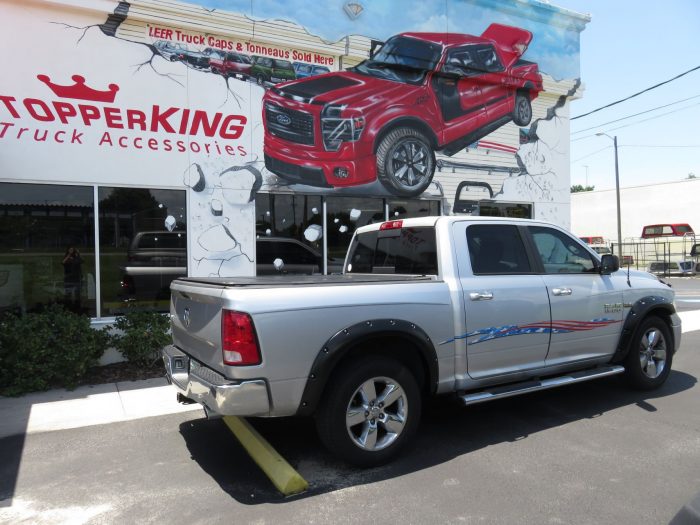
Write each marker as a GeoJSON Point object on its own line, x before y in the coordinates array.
{"type": "Point", "coordinates": [46, 247]}
{"type": "Point", "coordinates": [345, 215]}
{"type": "Point", "coordinates": [143, 247]}
{"type": "Point", "coordinates": [289, 234]}
{"type": "Point", "coordinates": [405, 209]}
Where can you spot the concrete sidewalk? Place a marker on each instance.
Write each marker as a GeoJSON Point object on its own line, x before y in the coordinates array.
{"type": "Point", "coordinates": [88, 405]}
{"type": "Point", "coordinates": [112, 402]}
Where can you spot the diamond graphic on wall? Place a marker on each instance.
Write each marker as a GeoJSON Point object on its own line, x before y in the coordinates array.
{"type": "Point", "coordinates": [353, 9]}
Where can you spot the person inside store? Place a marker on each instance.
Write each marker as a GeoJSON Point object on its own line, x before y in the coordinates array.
{"type": "Point", "coordinates": [72, 275]}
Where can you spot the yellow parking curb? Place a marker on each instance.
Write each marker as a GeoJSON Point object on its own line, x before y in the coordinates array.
{"type": "Point", "coordinates": [287, 480]}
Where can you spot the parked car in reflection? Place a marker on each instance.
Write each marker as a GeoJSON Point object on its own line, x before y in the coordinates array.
{"type": "Point", "coordinates": [156, 258]}
{"type": "Point", "coordinates": [296, 257]}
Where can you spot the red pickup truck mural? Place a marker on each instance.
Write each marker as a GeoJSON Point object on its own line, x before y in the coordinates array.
{"type": "Point", "coordinates": [385, 118]}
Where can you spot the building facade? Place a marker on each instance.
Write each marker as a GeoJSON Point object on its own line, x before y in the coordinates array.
{"type": "Point", "coordinates": [147, 139]}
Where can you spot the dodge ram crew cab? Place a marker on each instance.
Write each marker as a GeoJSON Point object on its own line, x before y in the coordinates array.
{"type": "Point", "coordinates": [385, 118]}
{"type": "Point", "coordinates": [475, 307]}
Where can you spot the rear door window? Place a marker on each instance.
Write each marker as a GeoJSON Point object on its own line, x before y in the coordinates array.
{"type": "Point", "coordinates": [497, 249]}
{"type": "Point", "coordinates": [408, 251]}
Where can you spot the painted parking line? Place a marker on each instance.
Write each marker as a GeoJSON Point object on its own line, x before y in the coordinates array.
{"type": "Point", "coordinates": [287, 480]}
{"type": "Point", "coordinates": [690, 320]}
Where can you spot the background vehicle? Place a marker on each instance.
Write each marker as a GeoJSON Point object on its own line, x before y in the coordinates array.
{"type": "Point", "coordinates": [679, 268]}
{"type": "Point", "coordinates": [666, 230]}
{"type": "Point", "coordinates": [593, 239]}
{"type": "Point", "coordinates": [483, 308]}
{"type": "Point", "coordinates": [272, 70]}
{"type": "Point", "coordinates": [170, 50]}
{"type": "Point", "coordinates": [156, 258]}
{"type": "Point", "coordinates": [385, 118]}
{"type": "Point", "coordinates": [196, 59]}
{"type": "Point", "coordinates": [231, 64]}
{"type": "Point", "coordinates": [304, 70]}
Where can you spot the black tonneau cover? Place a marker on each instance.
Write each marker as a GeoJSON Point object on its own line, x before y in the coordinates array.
{"type": "Point", "coordinates": [304, 280]}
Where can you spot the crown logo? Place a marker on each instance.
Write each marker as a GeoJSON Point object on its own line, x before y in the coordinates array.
{"type": "Point", "coordinates": [80, 91]}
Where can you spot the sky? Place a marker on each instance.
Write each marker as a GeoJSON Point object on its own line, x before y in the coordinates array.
{"type": "Point", "coordinates": [626, 47]}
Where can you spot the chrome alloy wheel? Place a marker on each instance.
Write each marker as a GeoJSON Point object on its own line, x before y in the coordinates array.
{"type": "Point", "coordinates": [410, 163]}
{"type": "Point", "coordinates": [652, 353]}
{"type": "Point", "coordinates": [374, 421]}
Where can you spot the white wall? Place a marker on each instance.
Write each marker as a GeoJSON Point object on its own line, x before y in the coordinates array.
{"type": "Point", "coordinates": [594, 212]}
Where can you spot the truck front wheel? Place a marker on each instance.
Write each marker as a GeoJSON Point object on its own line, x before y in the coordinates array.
{"type": "Point", "coordinates": [522, 113]}
{"type": "Point", "coordinates": [405, 162]}
{"type": "Point", "coordinates": [649, 359]}
{"type": "Point", "coordinates": [370, 411]}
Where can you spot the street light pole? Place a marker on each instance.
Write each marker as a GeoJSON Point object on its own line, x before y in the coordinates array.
{"type": "Point", "coordinates": [617, 192]}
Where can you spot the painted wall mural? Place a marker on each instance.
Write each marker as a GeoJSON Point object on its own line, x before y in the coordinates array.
{"type": "Point", "coordinates": [459, 100]}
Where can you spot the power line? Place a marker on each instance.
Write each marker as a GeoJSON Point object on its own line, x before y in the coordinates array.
{"type": "Point", "coordinates": [636, 146]}
{"type": "Point", "coordinates": [655, 117]}
{"type": "Point", "coordinates": [634, 115]}
{"type": "Point", "coordinates": [637, 94]}
{"type": "Point", "coordinates": [591, 154]}
{"type": "Point", "coordinates": [639, 121]}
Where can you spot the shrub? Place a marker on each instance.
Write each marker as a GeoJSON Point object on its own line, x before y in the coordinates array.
{"type": "Point", "coordinates": [139, 336]}
{"type": "Point", "coordinates": [54, 347]}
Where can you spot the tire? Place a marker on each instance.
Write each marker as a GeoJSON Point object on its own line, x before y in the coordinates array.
{"type": "Point", "coordinates": [522, 112]}
{"type": "Point", "coordinates": [376, 432]}
{"type": "Point", "coordinates": [649, 359]}
{"type": "Point", "coordinates": [405, 162]}
{"type": "Point", "coordinates": [261, 80]}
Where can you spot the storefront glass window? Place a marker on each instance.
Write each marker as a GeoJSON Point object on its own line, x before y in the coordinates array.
{"type": "Point", "coordinates": [47, 247]}
{"type": "Point", "coordinates": [289, 234]}
{"type": "Point", "coordinates": [143, 247]}
{"type": "Point", "coordinates": [345, 215]}
{"type": "Point", "coordinates": [413, 208]}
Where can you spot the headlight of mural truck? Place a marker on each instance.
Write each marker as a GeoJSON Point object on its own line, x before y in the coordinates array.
{"type": "Point", "coordinates": [384, 119]}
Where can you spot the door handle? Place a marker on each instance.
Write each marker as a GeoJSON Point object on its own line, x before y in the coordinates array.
{"type": "Point", "coordinates": [480, 296]}
{"type": "Point", "coordinates": [561, 291]}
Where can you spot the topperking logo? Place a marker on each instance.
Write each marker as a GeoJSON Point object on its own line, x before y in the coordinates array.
{"type": "Point", "coordinates": [90, 116]}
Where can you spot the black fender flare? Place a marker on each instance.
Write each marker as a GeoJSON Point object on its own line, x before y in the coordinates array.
{"type": "Point", "coordinates": [353, 336]}
{"type": "Point", "coordinates": [639, 311]}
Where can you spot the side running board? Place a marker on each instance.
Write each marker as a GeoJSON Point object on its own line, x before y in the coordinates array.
{"type": "Point", "coordinates": [526, 387]}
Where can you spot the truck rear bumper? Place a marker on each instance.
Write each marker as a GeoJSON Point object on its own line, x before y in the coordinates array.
{"type": "Point", "coordinates": [209, 388]}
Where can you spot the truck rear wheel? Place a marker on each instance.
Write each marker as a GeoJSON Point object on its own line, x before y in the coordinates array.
{"type": "Point", "coordinates": [405, 162]}
{"type": "Point", "coordinates": [370, 411]}
{"type": "Point", "coordinates": [522, 113]}
{"type": "Point", "coordinates": [648, 361]}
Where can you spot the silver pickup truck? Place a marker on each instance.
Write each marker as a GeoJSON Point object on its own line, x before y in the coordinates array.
{"type": "Point", "coordinates": [482, 308]}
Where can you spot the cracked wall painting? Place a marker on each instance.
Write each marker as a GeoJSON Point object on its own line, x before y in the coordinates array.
{"type": "Point", "coordinates": [228, 98]}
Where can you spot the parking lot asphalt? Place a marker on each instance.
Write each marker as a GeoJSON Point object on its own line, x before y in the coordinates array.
{"type": "Point", "coordinates": [590, 453]}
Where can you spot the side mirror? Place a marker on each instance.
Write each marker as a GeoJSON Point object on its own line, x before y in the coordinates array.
{"type": "Point", "coordinates": [609, 264]}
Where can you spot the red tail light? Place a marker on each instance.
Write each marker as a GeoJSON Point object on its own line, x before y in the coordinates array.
{"type": "Point", "coordinates": [391, 225]}
{"type": "Point", "coordinates": [239, 343]}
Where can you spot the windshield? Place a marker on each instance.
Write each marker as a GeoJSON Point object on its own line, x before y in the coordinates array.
{"type": "Point", "coordinates": [402, 59]}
